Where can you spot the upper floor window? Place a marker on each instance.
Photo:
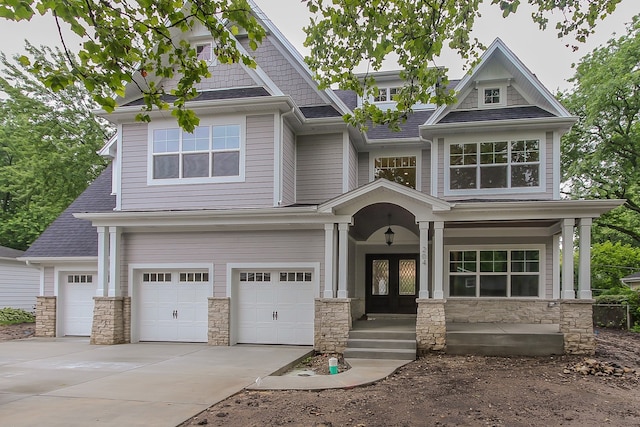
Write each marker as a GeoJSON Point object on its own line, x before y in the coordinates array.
{"type": "Point", "coordinates": [492, 96]}
{"type": "Point", "coordinates": [386, 94]}
{"type": "Point", "coordinates": [204, 52]}
{"type": "Point", "coordinates": [490, 165]}
{"type": "Point", "coordinates": [210, 153]}
{"type": "Point", "coordinates": [401, 169]}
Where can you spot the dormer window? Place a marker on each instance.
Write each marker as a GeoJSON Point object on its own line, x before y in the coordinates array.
{"type": "Point", "coordinates": [386, 94]}
{"type": "Point", "coordinates": [204, 52]}
{"type": "Point", "coordinates": [492, 96]}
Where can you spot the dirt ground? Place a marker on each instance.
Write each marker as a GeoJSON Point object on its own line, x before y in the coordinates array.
{"type": "Point", "coordinates": [441, 390]}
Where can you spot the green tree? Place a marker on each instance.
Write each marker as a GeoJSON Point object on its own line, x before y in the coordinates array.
{"type": "Point", "coordinates": [48, 144]}
{"type": "Point", "coordinates": [601, 154]}
{"type": "Point", "coordinates": [134, 42]}
{"type": "Point", "coordinates": [610, 262]}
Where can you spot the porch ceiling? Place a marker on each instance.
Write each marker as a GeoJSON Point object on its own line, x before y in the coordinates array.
{"type": "Point", "coordinates": [373, 217]}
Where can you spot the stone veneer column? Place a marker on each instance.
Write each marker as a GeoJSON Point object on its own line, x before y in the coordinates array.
{"type": "Point", "coordinates": [218, 331]}
{"type": "Point", "coordinates": [126, 313]}
{"type": "Point", "coordinates": [576, 324]}
{"type": "Point", "coordinates": [431, 328]}
{"type": "Point", "coordinates": [45, 316]}
{"type": "Point", "coordinates": [108, 321]}
{"type": "Point", "coordinates": [332, 324]}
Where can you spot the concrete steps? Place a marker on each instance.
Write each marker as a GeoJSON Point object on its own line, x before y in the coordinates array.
{"type": "Point", "coordinates": [528, 341]}
{"type": "Point", "coordinates": [388, 339]}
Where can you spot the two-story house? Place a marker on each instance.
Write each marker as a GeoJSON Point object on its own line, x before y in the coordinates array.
{"type": "Point", "coordinates": [274, 222]}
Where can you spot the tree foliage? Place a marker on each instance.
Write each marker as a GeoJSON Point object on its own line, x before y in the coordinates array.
{"type": "Point", "coordinates": [134, 41]}
{"type": "Point", "coordinates": [601, 154]}
{"type": "Point", "coordinates": [48, 144]}
{"type": "Point", "coordinates": [610, 262]}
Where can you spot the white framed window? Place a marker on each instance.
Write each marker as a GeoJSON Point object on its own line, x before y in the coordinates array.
{"type": "Point", "coordinates": [194, 277]}
{"type": "Point", "coordinates": [204, 52]}
{"type": "Point", "coordinates": [492, 95]}
{"type": "Point", "coordinates": [80, 278]}
{"type": "Point", "coordinates": [213, 152]}
{"type": "Point", "coordinates": [296, 276]}
{"type": "Point", "coordinates": [496, 272]}
{"type": "Point", "coordinates": [255, 276]}
{"type": "Point", "coordinates": [403, 167]}
{"type": "Point", "coordinates": [156, 277]}
{"type": "Point", "coordinates": [511, 165]}
{"type": "Point", "coordinates": [386, 94]}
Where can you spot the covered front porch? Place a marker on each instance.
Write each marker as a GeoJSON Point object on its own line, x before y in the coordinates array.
{"type": "Point", "coordinates": [455, 263]}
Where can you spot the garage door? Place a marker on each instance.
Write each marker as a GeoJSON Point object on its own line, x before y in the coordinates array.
{"type": "Point", "coordinates": [275, 307]}
{"type": "Point", "coordinates": [173, 306]}
{"type": "Point", "coordinates": [79, 290]}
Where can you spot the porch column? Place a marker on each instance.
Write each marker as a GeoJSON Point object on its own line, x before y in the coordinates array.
{"type": "Point", "coordinates": [424, 260]}
{"type": "Point", "coordinates": [343, 259]}
{"type": "Point", "coordinates": [103, 263]}
{"type": "Point", "coordinates": [584, 269]}
{"type": "Point", "coordinates": [114, 262]}
{"type": "Point", "coordinates": [438, 253]}
{"type": "Point", "coordinates": [329, 250]}
{"type": "Point", "coordinates": [567, 259]}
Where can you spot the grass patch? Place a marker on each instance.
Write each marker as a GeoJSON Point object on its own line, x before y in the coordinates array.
{"type": "Point", "coordinates": [13, 316]}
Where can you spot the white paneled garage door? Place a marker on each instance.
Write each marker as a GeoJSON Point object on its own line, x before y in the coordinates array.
{"type": "Point", "coordinates": [275, 307]}
{"type": "Point", "coordinates": [173, 306]}
{"type": "Point", "coordinates": [78, 293]}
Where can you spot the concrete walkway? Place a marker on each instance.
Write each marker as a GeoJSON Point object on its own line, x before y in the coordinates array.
{"type": "Point", "coordinates": [67, 382]}
{"type": "Point", "coordinates": [362, 372]}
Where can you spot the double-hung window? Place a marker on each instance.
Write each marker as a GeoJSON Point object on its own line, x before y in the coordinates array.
{"type": "Point", "coordinates": [208, 154]}
{"type": "Point", "coordinates": [496, 164]}
{"type": "Point", "coordinates": [495, 273]}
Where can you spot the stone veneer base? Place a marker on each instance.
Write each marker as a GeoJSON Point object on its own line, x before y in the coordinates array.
{"type": "Point", "coordinates": [219, 321]}
{"type": "Point", "coordinates": [332, 324]}
{"type": "Point", "coordinates": [108, 321]}
{"type": "Point", "coordinates": [576, 324]}
{"type": "Point", "coordinates": [431, 327]}
{"type": "Point", "coordinates": [46, 317]}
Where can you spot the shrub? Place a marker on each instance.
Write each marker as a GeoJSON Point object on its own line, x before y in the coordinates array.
{"type": "Point", "coordinates": [13, 316]}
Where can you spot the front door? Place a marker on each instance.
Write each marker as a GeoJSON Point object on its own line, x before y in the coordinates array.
{"type": "Point", "coordinates": [392, 283]}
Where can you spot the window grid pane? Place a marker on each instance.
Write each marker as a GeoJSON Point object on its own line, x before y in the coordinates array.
{"type": "Point", "coordinates": [380, 277]}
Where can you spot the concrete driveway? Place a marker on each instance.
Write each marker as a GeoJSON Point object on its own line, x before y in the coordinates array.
{"type": "Point", "coordinates": [67, 382]}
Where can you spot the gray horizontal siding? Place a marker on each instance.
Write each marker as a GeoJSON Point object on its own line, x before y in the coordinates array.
{"type": "Point", "coordinates": [221, 248]}
{"type": "Point", "coordinates": [49, 281]}
{"type": "Point", "coordinates": [425, 180]}
{"type": "Point", "coordinates": [19, 285]}
{"type": "Point", "coordinates": [363, 169]}
{"type": "Point", "coordinates": [256, 191]}
{"type": "Point", "coordinates": [319, 167]}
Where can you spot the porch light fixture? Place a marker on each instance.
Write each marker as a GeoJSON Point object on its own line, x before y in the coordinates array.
{"type": "Point", "coordinates": [388, 236]}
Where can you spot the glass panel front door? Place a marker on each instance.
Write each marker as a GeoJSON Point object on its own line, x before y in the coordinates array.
{"type": "Point", "coordinates": [392, 283]}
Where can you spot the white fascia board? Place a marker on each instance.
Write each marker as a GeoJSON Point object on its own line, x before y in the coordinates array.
{"type": "Point", "coordinates": [428, 131]}
{"type": "Point", "coordinates": [108, 150]}
{"type": "Point", "coordinates": [529, 210]}
{"type": "Point", "coordinates": [57, 260]}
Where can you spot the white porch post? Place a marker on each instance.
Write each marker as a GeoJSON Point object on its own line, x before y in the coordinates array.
{"type": "Point", "coordinates": [438, 254]}
{"type": "Point", "coordinates": [114, 262]}
{"type": "Point", "coordinates": [329, 249]}
{"type": "Point", "coordinates": [556, 266]}
{"type": "Point", "coordinates": [343, 259]}
{"type": "Point", "coordinates": [424, 259]}
{"type": "Point", "coordinates": [584, 271]}
{"type": "Point", "coordinates": [567, 258]}
{"type": "Point", "coordinates": [103, 263]}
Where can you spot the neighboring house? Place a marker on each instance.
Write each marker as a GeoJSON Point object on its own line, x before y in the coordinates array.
{"type": "Point", "coordinates": [19, 283]}
{"type": "Point", "coordinates": [632, 281]}
{"type": "Point", "coordinates": [270, 223]}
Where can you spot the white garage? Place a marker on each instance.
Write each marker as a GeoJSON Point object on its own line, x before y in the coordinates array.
{"type": "Point", "coordinates": [77, 314]}
{"type": "Point", "coordinates": [173, 305]}
{"type": "Point", "coordinates": [274, 307]}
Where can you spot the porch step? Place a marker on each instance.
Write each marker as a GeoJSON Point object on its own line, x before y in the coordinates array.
{"type": "Point", "coordinates": [505, 344]}
{"type": "Point", "coordinates": [384, 339]}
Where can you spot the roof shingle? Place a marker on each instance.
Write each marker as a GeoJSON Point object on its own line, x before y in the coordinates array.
{"type": "Point", "coordinates": [509, 113]}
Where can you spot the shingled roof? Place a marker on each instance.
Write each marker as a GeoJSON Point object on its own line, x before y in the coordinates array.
{"type": "Point", "coordinates": [209, 95]}
{"type": "Point", "coordinates": [68, 236]}
{"type": "Point", "coordinates": [408, 129]}
{"type": "Point", "coordinates": [509, 113]}
{"type": "Point", "coordinates": [9, 253]}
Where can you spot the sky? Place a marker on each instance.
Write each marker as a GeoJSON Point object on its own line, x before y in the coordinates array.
{"type": "Point", "coordinates": [541, 51]}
